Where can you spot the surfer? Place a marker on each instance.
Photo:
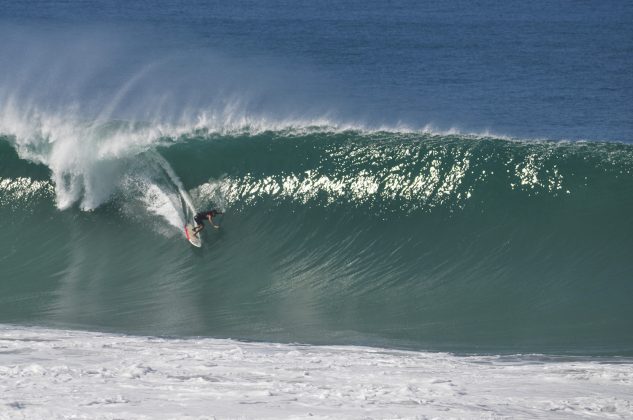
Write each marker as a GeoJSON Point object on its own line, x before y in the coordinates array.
{"type": "Point", "coordinates": [200, 217]}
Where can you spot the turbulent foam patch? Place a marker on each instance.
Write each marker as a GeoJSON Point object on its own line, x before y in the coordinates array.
{"type": "Point", "coordinates": [86, 160]}
{"type": "Point", "coordinates": [74, 373]}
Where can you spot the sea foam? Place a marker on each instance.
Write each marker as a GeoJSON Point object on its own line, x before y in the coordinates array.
{"type": "Point", "coordinates": [58, 373]}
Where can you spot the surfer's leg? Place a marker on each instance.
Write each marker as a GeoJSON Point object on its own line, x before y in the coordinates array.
{"type": "Point", "coordinates": [199, 225]}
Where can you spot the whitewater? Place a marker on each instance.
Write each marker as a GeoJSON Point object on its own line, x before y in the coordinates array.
{"type": "Point", "coordinates": [60, 374]}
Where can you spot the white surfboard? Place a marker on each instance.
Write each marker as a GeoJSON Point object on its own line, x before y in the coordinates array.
{"type": "Point", "coordinates": [194, 239]}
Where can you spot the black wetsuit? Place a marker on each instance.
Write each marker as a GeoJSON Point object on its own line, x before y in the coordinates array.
{"type": "Point", "coordinates": [202, 216]}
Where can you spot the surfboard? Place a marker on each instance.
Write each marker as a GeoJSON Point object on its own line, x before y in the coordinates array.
{"type": "Point", "coordinates": [194, 239]}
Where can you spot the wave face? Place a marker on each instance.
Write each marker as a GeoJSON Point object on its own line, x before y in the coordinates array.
{"type": "Point", "coordinates": [331, 235]}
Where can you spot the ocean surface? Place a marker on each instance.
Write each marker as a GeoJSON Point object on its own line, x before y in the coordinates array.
{"type": "Point", "coordinates": [428, 209]}
{"type": "Point", "coordinates": [431, 176]}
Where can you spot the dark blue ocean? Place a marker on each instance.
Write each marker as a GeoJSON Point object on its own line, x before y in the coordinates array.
{"type": "Point", "coordinates": [554, 70]}
{"type": "Point", "coordinates": [430, 175]}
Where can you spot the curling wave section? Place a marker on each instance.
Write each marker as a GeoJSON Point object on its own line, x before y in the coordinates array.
{"type": "Point", "coordinates": [420, 240]}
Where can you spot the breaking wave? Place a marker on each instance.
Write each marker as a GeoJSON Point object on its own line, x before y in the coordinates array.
{"type": "Point", "coordinates": [332, 234]}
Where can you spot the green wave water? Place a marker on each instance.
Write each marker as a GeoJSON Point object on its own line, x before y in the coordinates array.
{"type": "Point", "coordinates": [439, 242]}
